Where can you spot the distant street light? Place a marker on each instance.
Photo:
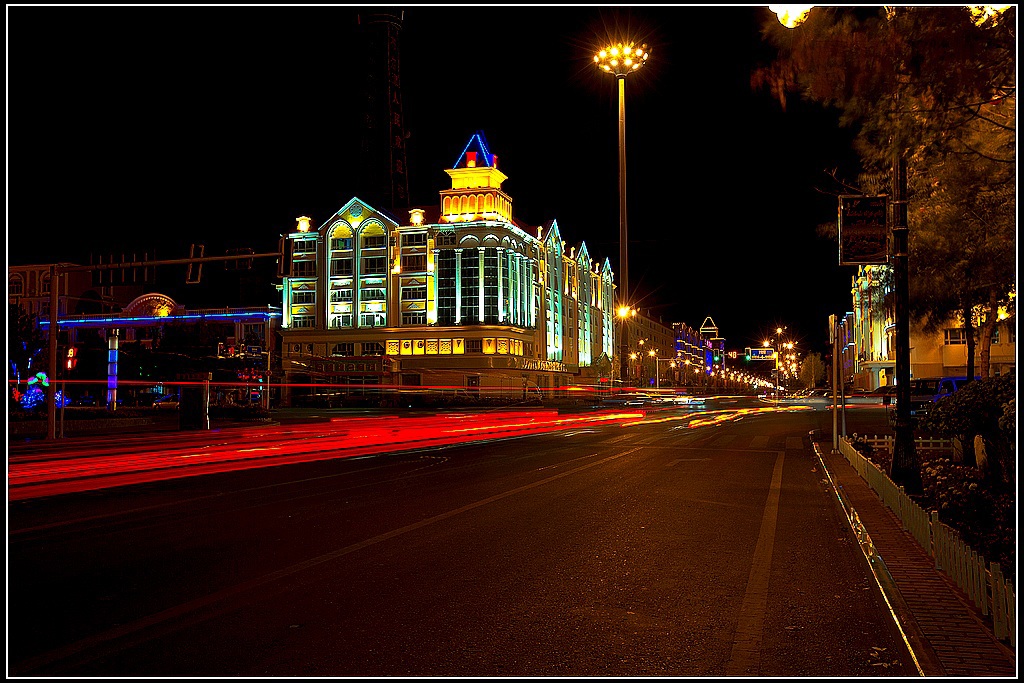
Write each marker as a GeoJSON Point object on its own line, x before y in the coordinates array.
{"type": "Point", "coordinates": [622, 59]}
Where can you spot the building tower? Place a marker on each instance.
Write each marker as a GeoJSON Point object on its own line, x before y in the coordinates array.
{"type": "Point", "coordinates": [383, 153]}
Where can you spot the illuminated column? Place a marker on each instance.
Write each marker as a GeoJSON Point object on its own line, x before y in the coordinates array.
{"type": "Point", "coordinates": [112, 371]}
{"type": "Point", "coordinates": [480, 282]}
{"type": "Point", "coordinates": [520, 298]}
{"type": "Point", "coordinates": [458, 286]}
{"type": "Point", "coordinates": [501, 285]}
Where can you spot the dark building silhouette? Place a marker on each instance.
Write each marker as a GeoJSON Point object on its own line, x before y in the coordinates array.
{"type": "Point", "coordinates": [384, 174]}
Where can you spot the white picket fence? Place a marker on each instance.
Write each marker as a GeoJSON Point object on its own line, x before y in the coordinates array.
{"type": "Point", "coordinates": [988, 589]}
{"type": "Point", "coordinates": [885, 442]}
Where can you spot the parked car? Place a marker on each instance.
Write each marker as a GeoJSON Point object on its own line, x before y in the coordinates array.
{"type": "Point", "coordinates": [926, 391]}
{"type": "Point", "coordinates": [168, 402]}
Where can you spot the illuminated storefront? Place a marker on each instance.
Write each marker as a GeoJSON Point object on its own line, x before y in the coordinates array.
{"type": "Point", "coordinates": [461, 294]}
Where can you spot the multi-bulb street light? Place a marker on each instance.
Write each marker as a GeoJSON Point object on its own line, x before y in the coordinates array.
{"type": "Point", "coordinates": [622, 59]}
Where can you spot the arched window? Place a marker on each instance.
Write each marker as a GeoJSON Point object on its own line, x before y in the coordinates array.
{"type": "Point", "coordinates": [341, 237]}
{"type": "Point", "coordinates": [15, 286]}
{"type": "Point", "coordinates": [373, 237]}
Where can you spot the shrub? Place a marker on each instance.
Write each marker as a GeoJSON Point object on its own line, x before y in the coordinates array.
{"type": "Point", "coordinates": [980, 408]}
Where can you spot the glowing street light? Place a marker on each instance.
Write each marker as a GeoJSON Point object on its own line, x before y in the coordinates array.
{"type": "Point", "coordinates": [622, 59]}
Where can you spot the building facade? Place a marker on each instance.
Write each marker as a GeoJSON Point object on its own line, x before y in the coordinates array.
{"type": "Point", "coordinates": [458, 296]}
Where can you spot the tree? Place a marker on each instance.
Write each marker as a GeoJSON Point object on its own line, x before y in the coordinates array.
{"type": "Point", "coordinates": [921, 85]}
{"type": "Point", "coordinates": [964, 229]}
{"type": "Point", "coordinates": [812, 370]}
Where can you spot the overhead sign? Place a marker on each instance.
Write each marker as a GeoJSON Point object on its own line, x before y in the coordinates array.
{"type": "Point", "coordinates": [762, 353]}
{"type": "Point", "coordinates": [862, 230]}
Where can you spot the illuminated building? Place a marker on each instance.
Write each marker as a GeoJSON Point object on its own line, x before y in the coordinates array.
{"type": "Point", "coordinates": [459, 295]}
{"type": "Point", "coordinates": [940, 353]}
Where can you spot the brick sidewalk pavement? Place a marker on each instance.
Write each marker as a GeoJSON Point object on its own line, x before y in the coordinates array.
{"type": "Point", "coordinates": [944, 630]}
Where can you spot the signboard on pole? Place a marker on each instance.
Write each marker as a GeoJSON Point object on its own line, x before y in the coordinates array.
{"type": "Point", "coordinates": [757, 353]}
{"type": "Point", "coordinates": [863, 234]}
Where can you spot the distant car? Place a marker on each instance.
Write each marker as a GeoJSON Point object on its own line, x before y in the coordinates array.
{"type": "Point", "coordinates": [886, 394]}
{"type": "Point", "coordinates": [84, 401]}
{"type": "Point", "coordinates": [169, 402]}
{"type": "Point", "coordinates": [628, 399]}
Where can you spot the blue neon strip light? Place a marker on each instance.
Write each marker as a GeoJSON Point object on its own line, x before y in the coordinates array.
{"type": "Point", "coordinates": [162, 319]}
{"type": "Point", "coordinates": [479, 137]}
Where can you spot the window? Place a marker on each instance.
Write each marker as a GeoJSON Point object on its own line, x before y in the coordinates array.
{"type": "Point", "coordinates": [474, 346]}
{"type": "Point", "coordinates": [414, 262]}
{"type": "Point", "coordinates": [372, 294]}
{"type": "Point", "coordinates": [303, 297]}
{"type": "Point", "coordinates": [304, 247]}
{"type": "Point", "coordinates": [341, 295]}
{"type": "Point", "coordinates": [470, 295]}
{"type": "Point", "coordinates": [344, 349]}
{"type": "Point", "coordinates": [303, 321]}
{"type": "Point", "coordinates": [303, 268]}
{"type": "Point", "coordinates": [342, 320]}
{"type": "Point", "coordinates": [955, 336]}
{"type": "Point", "coordinates": [446, 287]}
{"type": "Point", "coordinates": [445, 239]}
{"type": "Point", "coordinates": [414, 318]}
{"type": "Point", "coordinates": [44, 285]}
{"type": "Point", "coordinates": [341, 266]}
{"type": "Point", "coordinates": [414, 239]}
{"type": "Point", "coordinates": [341, 243]}
{"type": "Point", "coordinates": [374, 265]}
{"type": "Point", "coordinates": [15, 286]}
{"type": "Point", "coordinates": [375, 319]}
{"type": "Point", "coordinates": [373, 349]}
{"type": "Point", "coordinates": [414, 293]}
{"type": "Point", "coordinates": [374, 241]}
{"type": "Point", "coordinates": [995, 336]}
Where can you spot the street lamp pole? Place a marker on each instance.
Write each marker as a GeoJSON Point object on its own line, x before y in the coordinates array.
{"type": "Point", "coordinates": [621, 59]}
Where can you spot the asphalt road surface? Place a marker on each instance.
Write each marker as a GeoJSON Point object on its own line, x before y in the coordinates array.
{"type": "Point", "coordinates": [682, 545]}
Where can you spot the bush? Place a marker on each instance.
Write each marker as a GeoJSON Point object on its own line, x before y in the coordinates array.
{"type": "Point", "coordinates": [968, 502]}
{"type": "Point", "coordinates": [981, 409]}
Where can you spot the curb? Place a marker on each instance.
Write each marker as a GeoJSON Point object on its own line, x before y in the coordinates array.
{"type": "Point", "coordinates": [925, 660]}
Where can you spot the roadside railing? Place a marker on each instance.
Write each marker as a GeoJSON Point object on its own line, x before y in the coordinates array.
{"type": "Point", "coordinates": [985, 585]}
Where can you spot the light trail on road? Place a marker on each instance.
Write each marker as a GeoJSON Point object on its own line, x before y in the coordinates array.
{"type": "Point", "coordinates": [137, 461]}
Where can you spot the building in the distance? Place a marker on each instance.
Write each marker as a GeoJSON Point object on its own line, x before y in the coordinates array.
{"type": "Point", "coordinates": [459, 295]}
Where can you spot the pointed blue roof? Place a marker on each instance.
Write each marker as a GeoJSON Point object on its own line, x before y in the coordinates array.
{"type": "Point", "coordinates": [482, 149]}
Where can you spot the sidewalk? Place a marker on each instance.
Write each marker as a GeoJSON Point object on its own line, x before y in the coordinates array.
{"type": "Point", "coordinates": [944, 630]}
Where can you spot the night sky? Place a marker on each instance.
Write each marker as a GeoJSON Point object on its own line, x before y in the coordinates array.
{"type": "Point", "coordinates": [150, 128]}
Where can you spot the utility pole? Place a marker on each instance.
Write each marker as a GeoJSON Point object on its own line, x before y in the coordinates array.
{"type": "Point", "coordinates": [905, 469]}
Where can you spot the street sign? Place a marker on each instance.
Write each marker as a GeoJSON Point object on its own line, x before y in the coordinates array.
{"type": "Point", "coordinates": [862, 229]}
{"type": "Point", "coordinates": [762, 353]}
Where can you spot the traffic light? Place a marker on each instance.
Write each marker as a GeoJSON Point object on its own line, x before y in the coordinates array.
{"type": "Point", "coordinates": [72, 358]}
{"type": "Point", "coordinates": [717, 355]}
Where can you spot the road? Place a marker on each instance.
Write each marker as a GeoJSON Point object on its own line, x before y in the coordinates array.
{"type": "Point", "coordinates": [681, 544]}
